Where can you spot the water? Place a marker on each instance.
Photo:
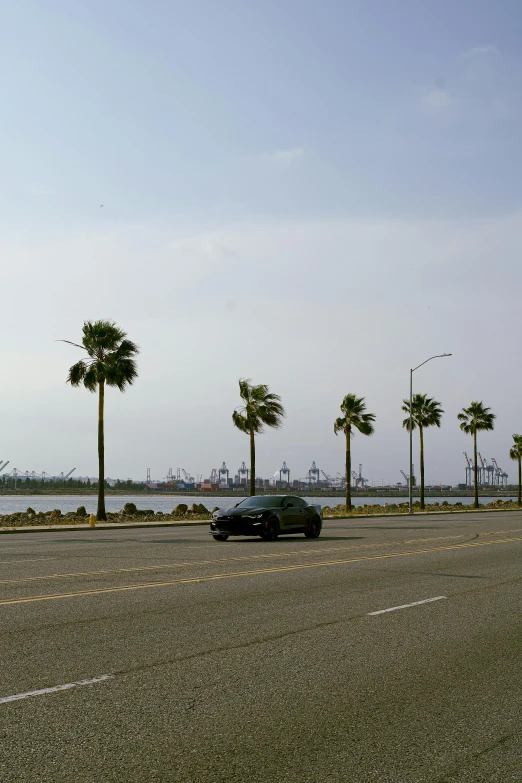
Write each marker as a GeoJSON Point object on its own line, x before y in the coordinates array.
{"type": "Point", "coordinates": [12, 504]}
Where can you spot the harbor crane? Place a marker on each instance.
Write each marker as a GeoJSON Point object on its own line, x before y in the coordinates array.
{"type": "Point", "coordinates": [213, 476]}
{"type": "Point", "coordinates": [284, 471]}
{"type": "Point", "coordinates": [481, 471]}
{"type": "Point", "coordinates": [243, 471]}
{"type": "Point", "coordinates": [490, 474]}
{"type": "Point", "coordinates": [223, 471]}
{"type": "Point", "coordinates": [188, 479]}
{"type": "Point", "coordinates": [500, 476]}
{"type": "Point", "coordinates": [407, 478]}
{"type": "Point", "coordinates": [470, 479]}
{"type": "Point", "coordinates": [314, 475]}
{"type": "Point", "coordinates": [359, 480]}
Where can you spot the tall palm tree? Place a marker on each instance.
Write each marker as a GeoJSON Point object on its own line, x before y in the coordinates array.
{"type": "Point", "coordinates": [111, 361]}
{"type": "Point", "coordinates": [475, 419]}
{"type": "Point", "coordinates": [425, 412]}
{"type": "Point", "coordinates": [515, 453]}
{"type": "Point", "coordinates": [353, 418]}
{"type": "Point", "coordinates": [260, 409]}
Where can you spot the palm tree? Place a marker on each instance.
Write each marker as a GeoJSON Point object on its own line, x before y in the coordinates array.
{"type": "Point", "coordinates": [425, 412]}
{"type": "Point", "coordinates": [516, 454]}
{"type": "Point", "coordinates": [353, 418]}
{"type": "Point", "coordinates": [110, 362]}
{"type": "Point", "coordinates": [260, 408]}
{"type": "Point", "coordinates": [475, 419]}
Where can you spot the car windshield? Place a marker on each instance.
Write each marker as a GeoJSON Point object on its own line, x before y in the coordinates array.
{"type": "Point", "coordinates": [261, 502]}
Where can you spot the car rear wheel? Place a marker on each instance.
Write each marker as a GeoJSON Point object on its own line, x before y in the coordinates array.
{"type": "Point", "coordinates": [271, 531]}
{"type": "Point", "coordinates": [220, 537]}
{"type": "Point", "coordinates": [314, 530]}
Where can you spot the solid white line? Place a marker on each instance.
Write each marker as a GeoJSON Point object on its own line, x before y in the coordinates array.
{"type": "Point", "coordinates": [406, 606]}
{"type": "Point", "coordinates": [65, 687]}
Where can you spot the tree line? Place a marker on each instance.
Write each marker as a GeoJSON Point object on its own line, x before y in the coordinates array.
{"type": "Point", "coordinates": [111, 361]}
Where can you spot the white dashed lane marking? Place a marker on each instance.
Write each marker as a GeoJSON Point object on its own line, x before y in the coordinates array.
{"type": "Point", "coordinates": [407, 606]}
{"type": "Point", "coordinates": [56, 688]}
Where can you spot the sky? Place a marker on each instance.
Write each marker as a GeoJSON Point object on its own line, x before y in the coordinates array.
{"type": "Point", "coordinates": [314, 195]}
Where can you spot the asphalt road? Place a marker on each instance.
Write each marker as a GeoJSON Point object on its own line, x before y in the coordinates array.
{"type": "Point", "coordinates": [263, 662]}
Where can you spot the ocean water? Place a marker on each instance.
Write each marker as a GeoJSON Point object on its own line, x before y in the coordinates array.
{"type": "Point", "coordinates": [10, 504]}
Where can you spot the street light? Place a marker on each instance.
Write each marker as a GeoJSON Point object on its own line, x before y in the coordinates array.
{"type": "Point", "coordinates": [439, 356]}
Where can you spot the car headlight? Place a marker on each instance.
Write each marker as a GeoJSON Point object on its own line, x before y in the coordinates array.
{"type": "Point", "coordinates": [253, 516]}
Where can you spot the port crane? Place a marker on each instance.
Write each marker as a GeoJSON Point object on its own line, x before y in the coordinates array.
{"type": "Point", "coordinates": [284, 471]}
{"type": "Point", "coordinates": [314, 475]}
{"type": "Point", "coordinates": [407, 478]}
{"type": "Point", "coordinates": [359, 481]}
{"type": "Point", "coordinates": [243, 471]}
{"type": "Point", "coordinates": [470, 479]}
{"type": "Point", "coordinates": [223, 471]}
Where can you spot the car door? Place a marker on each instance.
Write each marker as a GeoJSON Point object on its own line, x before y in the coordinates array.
{"type": "Point", "coordinates": [301, 514]}
{"type": "Point", "coordinates": [290, 514]}
{"type": "Point", "coordinates": [287, 515]}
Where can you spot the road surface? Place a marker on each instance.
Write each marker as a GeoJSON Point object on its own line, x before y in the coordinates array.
{"type": "Point", "coordinates": [136, 656]}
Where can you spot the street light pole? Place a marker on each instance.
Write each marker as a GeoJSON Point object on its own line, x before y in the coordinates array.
{"type": "Point", "coordinates": [439, 356]}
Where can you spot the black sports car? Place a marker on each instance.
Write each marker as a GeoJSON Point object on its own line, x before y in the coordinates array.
{"type": "Point", "coordinates": [267, 516]}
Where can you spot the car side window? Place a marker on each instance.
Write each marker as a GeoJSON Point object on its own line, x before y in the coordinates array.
{"type": "Point", "coordinates": [299, 502]}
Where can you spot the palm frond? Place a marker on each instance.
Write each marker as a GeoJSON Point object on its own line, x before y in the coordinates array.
{"type": "Point", "coordinates": [77, 373]}
{"type": "Point", "coordinates": [262, 408]}
{"type": "Point", "coordinates": [476, 418]}
{"type": "Point", "coordinates": [240, 421]}
{"type": "Point", "coordinates": [91, 378]}
{"type": "Point", "coordinates": [112, 357]}
{"type": "Point", "coordinates": [70, 343]}
{"type": "Point", "coordinates": [515, 451]}
{"type": "Point", "coordinates": [425, 412]}
{"type": "Point", "coordinates": [355, 416]}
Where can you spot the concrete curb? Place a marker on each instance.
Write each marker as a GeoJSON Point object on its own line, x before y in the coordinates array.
{"type": "Point", "coordinates": [99, 526]}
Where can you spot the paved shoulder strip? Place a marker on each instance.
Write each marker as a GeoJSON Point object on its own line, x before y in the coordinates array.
{"type": "Point", "coordinates": [407, 606]}
{"type": "Point", "coordinates": [66, 687]}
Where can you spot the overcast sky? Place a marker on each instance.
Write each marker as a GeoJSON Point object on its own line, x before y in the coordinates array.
{"type": "Point", "coordinates": [314, 195]}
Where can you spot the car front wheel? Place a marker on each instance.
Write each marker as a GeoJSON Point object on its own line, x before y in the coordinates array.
{"type": "Point", "coordinates": [271, 531]}
{"type": "Point", "coordinates": [314, 531]}
{"type": "Point", "coordinates": [220, 537]}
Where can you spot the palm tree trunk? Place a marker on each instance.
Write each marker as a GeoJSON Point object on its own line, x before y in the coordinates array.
{"type": "Point", "coordinates": [475, 469]}
{"type": "Point", "coordinates": [421, 437]}
{"type": "Point", "coordinates": [519, 481]}
{"type": "Point", "coordinates": [100, 514]}
{"type": "Point", "coordinates": [252, 463]}
{"type": "Point", "coordinates": [348, 471]}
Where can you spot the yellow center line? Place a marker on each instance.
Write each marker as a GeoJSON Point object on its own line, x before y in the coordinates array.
{"type": "Point", "coordinates": [256, 572]}
{"type": "Point", "coordinates": [266, 555]}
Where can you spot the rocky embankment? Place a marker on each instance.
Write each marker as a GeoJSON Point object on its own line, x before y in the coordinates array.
{"type": "Point", "coordinates": [403, 508]}
{"type": "Point", "coordinates": [129, 513]}
{"type": "Point", "coordinates": [197, 511]}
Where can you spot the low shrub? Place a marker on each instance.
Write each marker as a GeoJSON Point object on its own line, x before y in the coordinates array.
{"type": "Point", "coordinates": [180, 510]}
{"type": "Point", "coordinates": [129, 508]}
{"type": "Point", "coordinates": [30, 511]}
{"type": "Point", "coordinates": [81, 511]}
